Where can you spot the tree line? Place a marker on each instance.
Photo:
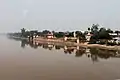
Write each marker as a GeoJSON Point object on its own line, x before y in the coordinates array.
{"type": "Point", "coordinates": [96, 31]}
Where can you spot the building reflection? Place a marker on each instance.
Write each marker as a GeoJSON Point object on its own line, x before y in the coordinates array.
{"type": "Point", "coordinates": [47, 46]}
{"type": "Point", "coordinates": [94, 54]}
{"type": "Point", "coordinates": [68, 49]}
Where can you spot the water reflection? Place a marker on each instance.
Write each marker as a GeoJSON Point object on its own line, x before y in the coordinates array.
{"type": "Point", "coordinates": [93, 53]}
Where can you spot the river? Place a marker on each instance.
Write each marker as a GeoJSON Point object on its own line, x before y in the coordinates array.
{"type": "Point", "coordinates": [23, 60]}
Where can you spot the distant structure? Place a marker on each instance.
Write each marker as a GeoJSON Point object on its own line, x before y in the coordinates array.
{"type": "Point", "coordinates": [88, 36]}
{"type": "Point", "coordinates": [49, 35]}
{"type": "Point", "coordinates": [115, 37]}
{"type": "Point", "coordinates": [74, 35]}
{"type": "Point", "coordinates": [74, 38]}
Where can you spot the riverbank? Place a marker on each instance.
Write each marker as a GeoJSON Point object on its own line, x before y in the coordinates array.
{"type": "Point", "coordinates": [86, 45]}
{"type": "Point", "coordinates": [15, 37]}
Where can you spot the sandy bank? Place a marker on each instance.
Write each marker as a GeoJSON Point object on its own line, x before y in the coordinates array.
{"type": "Point", "coordinates": [62, 42]}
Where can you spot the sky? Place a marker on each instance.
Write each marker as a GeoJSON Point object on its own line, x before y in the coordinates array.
{"type": "Point", "coordinates": [58, 15]}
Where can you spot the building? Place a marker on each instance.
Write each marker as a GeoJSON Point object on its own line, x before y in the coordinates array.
{"type": "Point", "coordinates": [115, 37]}
{"type": "Point", "coordinates": [50, 36]}
{"type": "Point", "coordinates": [88, 36]}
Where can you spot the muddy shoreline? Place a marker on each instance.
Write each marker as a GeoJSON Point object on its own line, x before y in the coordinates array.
{"type": "Point", "coordinates": [86, 45]}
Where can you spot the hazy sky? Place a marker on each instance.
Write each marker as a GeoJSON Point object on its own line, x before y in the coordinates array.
{"type": "Point", "coordinates": [58, 15]}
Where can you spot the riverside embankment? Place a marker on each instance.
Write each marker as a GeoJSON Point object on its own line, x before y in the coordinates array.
{"type": "Point", "coordinates": [86, 45]}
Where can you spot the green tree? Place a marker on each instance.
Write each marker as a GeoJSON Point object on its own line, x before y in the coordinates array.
{"type": "Point", "coordinates": [117, 32]}
{"type": "Point", "coordinates": [59, 34]}
{"type": "Point", "coordinates": [109, 30]}
{"type": "Point", "coordinates": [95, 27]}
{"type": "Point", "coordinates": [95, 32]}
{"type": "Point", "coordinates": [103, 34]}
{"type": "Point", "coordinates": [80, 35]}
{"type": "Point", "coordinates": [23, 32]}
{"type": "Point", "coordinates": [89, 29]}
{"type": "Point", "coordinates": [46, 32]}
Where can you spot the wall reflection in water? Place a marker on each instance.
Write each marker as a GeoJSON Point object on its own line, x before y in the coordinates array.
{"type": "Point", "coordinates": [93, 53]}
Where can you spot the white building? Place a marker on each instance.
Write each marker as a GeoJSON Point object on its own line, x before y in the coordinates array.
{"type": "Point", "coordinates": [50, 36]}
{"type": "Point", "coordinates": [88, 36]}
{"type": "Point", "coordinates": [115, 37]}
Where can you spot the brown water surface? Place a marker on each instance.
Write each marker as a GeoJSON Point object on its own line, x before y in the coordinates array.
{"type": "Point", "coordinates": [22, 60]}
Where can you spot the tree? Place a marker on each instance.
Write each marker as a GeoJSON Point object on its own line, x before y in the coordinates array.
{"type": "Point", "coordinates": [103, 34]}
{"type": "Point", "coordinates": [23, 32]}
{"type": "Point", "coordinates": [95, 32]}
{"type": "Point", "coordinates": [95, 27]}
{"type": "Point", "coordinates": [71, 34]}
{"type": "Point", "coordinates": [59, 34]}
{"type": "Point", "coordinates": [117, 32]}
{"type": "Point", "coordinates": [109, 30]}
{"type": "Point", "coordinates": [89, 29]}
{"type": "Point", "coordinates": [80, 35]}
{"type": "Point", "coordinates": [53, 32]}
{"type": "Point", "coordinates": [46, 32]}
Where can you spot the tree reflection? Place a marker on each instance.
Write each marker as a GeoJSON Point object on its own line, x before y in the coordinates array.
{"type": "Point", "coordinates": [93, 53]}
{"type": "Point", "coordinates": [23, 43]}
{"type": "Point", "coordinates": [70, 51]}
{"type": "Point", "coordinates": [48, 46]}
{"type": "Point", "coordinates": [57, 47]}
{"type": "Point", "coordinates": [80, 52]}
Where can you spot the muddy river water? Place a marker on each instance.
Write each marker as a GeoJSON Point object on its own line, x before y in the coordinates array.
{"type": "Point", "coordinates": [22, 60]}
